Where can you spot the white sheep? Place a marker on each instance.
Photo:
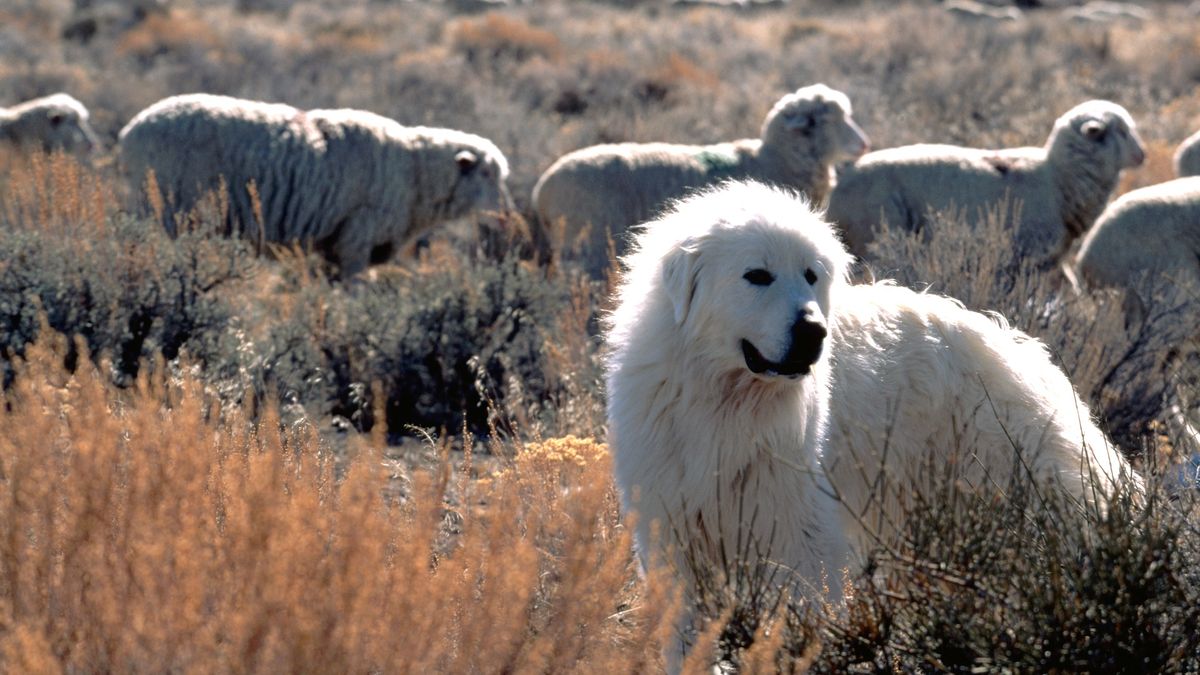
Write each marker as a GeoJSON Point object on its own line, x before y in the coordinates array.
{"type": "Point", "coordinates": [1057, 190]}
{"type": "Point", "coordinates": [1187, 157]}
{"type": "Point", "coordinates": [599, 192]}
{"type": "Point", "coordinates": [55, 122]}
{"type": "Point", "coordinates": [971, 10]}
{"type": "Point", "coordinates": [354, 185]}
{"type": "Point", "coordinates": [1104, 11]}
{"type": "Point", "coordinates": [1144, 236]}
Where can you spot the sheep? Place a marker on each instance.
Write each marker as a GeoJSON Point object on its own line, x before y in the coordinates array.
{"type": "Point", "coordinates": [731, 4]}
{"type": "Point", "coordinates": [599, 192]}
{"type": "Point", "coordinates": [1103, 11]}
{"type": "Point", "coordinates": [970, 10]}
{"type": "Point", "coordinates": [352, 184]}
{"type": "Point", "coordinates": [1056, 191]}
{"type": "Point", "coordinates": [52, 123]}
{"type": "Point", "coordinates": [1145, 235]}
{"type": "Point", "coordinates": [1187, 157]}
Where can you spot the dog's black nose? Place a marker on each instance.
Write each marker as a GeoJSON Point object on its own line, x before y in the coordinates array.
{"type": "Point", "coordinates": [808, 337]}
{"type": "Point", "coordinates": [808, 329]}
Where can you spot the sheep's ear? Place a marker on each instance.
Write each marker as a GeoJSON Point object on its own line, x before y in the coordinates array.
{"type": "Point", "coordinates": [679, 277]}
{"type": "Point", "coordinates": [1093, 129]}
{"type": "Point", "coordinates": [466, 160]}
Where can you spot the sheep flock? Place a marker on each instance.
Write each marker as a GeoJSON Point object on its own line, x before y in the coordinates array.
{"type": "Point", "coordinates": [358, 187]}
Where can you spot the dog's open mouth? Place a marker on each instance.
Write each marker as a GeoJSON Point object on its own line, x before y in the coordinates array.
{"type": "Point", "coordinates": [760, 365]}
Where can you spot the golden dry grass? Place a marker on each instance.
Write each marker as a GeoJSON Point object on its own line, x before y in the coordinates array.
{"type": "Point", "coordinates": [149, 530]}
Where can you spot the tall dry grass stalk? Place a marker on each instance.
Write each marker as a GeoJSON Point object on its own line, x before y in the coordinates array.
{"type": "Point", "coordinates": [147, 530]}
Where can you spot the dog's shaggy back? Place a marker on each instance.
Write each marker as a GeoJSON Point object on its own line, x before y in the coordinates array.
{"type": "Point", "coordinates": [706, 452]}
{"type": "Point", "coordinates": [927, 391]}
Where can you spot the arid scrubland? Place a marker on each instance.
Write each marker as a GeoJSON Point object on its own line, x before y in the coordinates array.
{"type": "Point", "coordinates": [211, 460]}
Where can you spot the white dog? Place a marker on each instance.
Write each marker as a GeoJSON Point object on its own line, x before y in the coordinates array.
{"type": "Point", "coordinates": [721, 378]}
{"type": "Point", "coordinates": [925, 390]}
{"type": "Point", "coordinates": [718, 382]}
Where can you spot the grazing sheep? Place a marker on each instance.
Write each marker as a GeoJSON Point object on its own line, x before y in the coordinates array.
{"type": "Point", "coordinates": [732, 4]}
{"type": "Point", "coordinates": [972, 11]}
{"type": "Point", "coordinates": [1187, 157]}
{"type": "Point", "coordinates": [602, 191]}
{"type": "Point", "coordinates": [354, 185]}
{"type": "Point", "coordinates": [56, 122]}
{"type": "Point", "coordinates": [1061, 188]}
{"type": "Point", "coordinates": [1145, 235]}
{"type": "Point", "coordinates": [1103, 11]}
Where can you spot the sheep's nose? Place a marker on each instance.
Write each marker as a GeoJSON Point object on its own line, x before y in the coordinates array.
{"type": "Point", "coordinates": [1139, 156]}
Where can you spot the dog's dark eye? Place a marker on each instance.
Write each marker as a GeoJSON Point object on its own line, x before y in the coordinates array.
{"type": "Point", "coordinates": [759, 277]}
{"type": "Point", "coordinates": [810, 276]}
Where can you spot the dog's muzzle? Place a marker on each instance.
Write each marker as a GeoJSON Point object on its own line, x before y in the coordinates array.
{"type": "Point", "coordinates": [808, 337]}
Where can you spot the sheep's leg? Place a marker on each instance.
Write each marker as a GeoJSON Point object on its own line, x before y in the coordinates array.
{"type": "Point", "coordinates": [353, 244]}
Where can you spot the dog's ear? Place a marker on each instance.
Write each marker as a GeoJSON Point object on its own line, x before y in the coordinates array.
{"type": "Point", "coordinates": [679, 277]}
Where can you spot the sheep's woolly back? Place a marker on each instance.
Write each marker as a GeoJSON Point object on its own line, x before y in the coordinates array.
{"type": "Point", "coordinates": [1144, 235]}
{"type": "Point", "coordinates": [1187, 157]}
{"type": "Point", "coordinates": [347, 181]}
{"type": "Point", "coordinates": [55, 122]}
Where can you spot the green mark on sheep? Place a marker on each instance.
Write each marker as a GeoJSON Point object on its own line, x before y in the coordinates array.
{"type": "Point", "coordinates": [717, 161]}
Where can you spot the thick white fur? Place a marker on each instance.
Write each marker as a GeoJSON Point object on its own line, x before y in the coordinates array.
{"type": "Point", "coordinates": [700, 443]}
{"type": "Point", "coordinates": [604, 190]}
{"type": "Point", "coordinates": [924, 388]}
{"type": "Point", "coordinates": [702, 446]}
{"type": "Point", "coordinates": [1060, 188]}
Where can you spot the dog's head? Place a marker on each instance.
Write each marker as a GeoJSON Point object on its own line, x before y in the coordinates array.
{"type": "Point", "coordinates": [750, 277]}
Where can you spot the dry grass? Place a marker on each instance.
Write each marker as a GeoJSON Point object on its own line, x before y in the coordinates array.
{"type": "Point", "coordinates": [149, 530]}
{"type": "Point", "coordinates": [56, 194]}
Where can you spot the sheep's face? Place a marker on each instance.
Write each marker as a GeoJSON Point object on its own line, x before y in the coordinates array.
{"type": "Point", "coordinates": [57, 123]}
{"type": "Point", "coordinates": [481, 176]}
{"type": "Point", "coordinates": [1098, 131]}
{"type": "Point", "coordinates": [816, 121]}
{"type": "Point", "coordinates": [751, 291]}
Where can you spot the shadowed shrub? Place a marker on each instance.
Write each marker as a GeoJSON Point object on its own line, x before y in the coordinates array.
{"type": "Point", "coordinates": [119, 283]}
{"type": "Point", "coordinates": [450, 343]}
